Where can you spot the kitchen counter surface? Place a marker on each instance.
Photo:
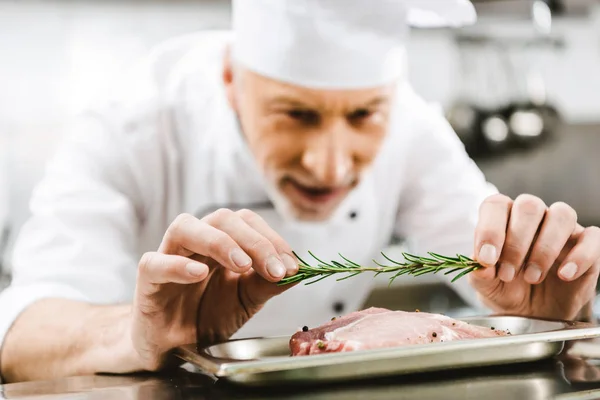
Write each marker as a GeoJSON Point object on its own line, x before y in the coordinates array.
{"type": "Point", "coordinates": [567, 377]}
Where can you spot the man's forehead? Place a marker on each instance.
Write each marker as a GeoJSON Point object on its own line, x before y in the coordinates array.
{"type": "Point", "coordinates": [276, 92]}
{"type": "Point", "coordinates": [326, 99]}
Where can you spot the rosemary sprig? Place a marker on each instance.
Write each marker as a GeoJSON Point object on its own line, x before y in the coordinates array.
{"type": "Point", "coordinates": [413, 265]}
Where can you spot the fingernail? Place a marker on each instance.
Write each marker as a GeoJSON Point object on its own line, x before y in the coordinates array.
{"type": "Point", "coordinates": [195, 269]}
{"type": "Point", "coordinates": [533, 273]}
{"type": "Point", "coordinates": [275, 267]}
{"type": "Point", "coordinates": [569, 270]}
{"type": "Point", "coordinates": [487, 254]}
{"type": "Point", "coordinates": [506, 273]}
{"type": "Point", "coordinates": [240, 258]}
{"type": "Point", "coordinates": [290, 263]}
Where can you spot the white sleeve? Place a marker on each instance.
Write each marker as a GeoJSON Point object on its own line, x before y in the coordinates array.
{"type": "Point", "coordinates": [440, 204]}
{"type": "Point", "coordinates": [80, 240]}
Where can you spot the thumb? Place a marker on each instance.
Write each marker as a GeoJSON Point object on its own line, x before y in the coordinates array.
{"type": "Point", "coordinates": [485, 279]}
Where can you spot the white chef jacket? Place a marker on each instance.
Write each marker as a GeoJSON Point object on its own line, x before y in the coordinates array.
{"type": "Point", "coordinates": [165, 142]}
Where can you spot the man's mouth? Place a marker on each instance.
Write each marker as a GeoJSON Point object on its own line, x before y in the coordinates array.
{"type": "Point", "coordinates": [317, 194]}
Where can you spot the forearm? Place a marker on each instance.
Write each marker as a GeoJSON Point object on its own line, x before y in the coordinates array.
{"type": "Point", "coordinates": [55, 338]}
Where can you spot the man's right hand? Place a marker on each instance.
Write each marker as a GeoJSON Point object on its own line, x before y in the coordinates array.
{"type": "Point", "coordinates": [206, 280]}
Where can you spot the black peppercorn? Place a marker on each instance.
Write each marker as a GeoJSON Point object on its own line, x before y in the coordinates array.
{"type": "Point", "coordinates": [338, 307]}
{"type": "Point", "coordinates": [305, 329]}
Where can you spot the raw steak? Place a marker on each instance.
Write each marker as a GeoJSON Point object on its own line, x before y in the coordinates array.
{"type": "Point", "coordinates": [378, 327]}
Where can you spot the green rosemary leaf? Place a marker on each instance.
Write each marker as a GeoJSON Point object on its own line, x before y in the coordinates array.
{"type": "Point", "coordinates": [421, 259]}
{"type": "Point", "coordinates": [403, 271]}
{"type": "Point", "coordinates": [348, 261]}
{"type": "Point", "coordinates": [447, 264]}
{"type": "Point", "coordinates": [392, 261]}
{"type": "Point", "coordinates": [381, 265]}
{"type": "Point", "coordinates": [291, 279]}
{"type": "Point", "coordinates": [411, 258]}
{"type": "Point", "coordinates": [318, 259]}
{"type": "Point", "coordinates": [422, 272]}
{"type": "Point", "coordinates": [444, 258]}
{"type": "Point", "coordinates": [300, 259]}
{"type": "Point", "coordinates": [438, 269]}
{"type": "Point", "coordinates": [466, 271]}
{"type": "Point", "coordinates": [427, 260]}
{"type": "Point", "coordinates": [453, 270]}
{"type": "Point", "coordinates": [349, 276]}
{"type": "Point", "coordinates": [378, 273]}
{"type": "Point", "coordinates": [464, 258]}
{"type": "Point", "coordinates": [317, 280]}
{"type": "Point", "coordinates": [312, 270]}
{"type": "Point", "coordinates": [341, 266]}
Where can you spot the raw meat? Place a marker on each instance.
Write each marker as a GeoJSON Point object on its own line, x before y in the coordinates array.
{"type": "Point", "coordinates": [378, 327]}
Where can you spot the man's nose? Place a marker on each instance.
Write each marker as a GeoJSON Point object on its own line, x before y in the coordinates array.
{"type": "Point", "coordinates": [328, 157]}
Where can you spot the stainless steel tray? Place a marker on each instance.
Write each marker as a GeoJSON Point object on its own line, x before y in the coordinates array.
{"type": "Point", "coordinates": [264, 361]}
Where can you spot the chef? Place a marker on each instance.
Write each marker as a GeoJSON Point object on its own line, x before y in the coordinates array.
{"type": "Point", "coordinates": [172, 210]}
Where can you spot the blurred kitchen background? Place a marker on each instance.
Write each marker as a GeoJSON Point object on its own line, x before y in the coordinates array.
{"type": "Point", "coordinates": [521, 88]}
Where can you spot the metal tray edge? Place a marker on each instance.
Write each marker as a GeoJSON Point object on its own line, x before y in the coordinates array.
{"type": "Point", "coordinates": [224, 368]}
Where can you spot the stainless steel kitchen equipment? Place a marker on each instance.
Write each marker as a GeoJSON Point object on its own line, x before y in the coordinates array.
{"type": "Point", "coordinates": [503, 102]}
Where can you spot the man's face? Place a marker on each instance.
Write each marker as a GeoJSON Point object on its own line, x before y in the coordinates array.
{"type": "Point", "coordinates": [311, 144]}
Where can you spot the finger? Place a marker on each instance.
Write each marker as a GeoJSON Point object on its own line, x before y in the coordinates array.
{"type": "Point", "coordinates": [483, 273]}
{"type": "Point", "coordinates": [159, 268]}
{"type": "Point", "coordinates": [558, 226]}
{"type": "Point", "coordinates": [583, 255]}
{"type": "Point", "coordinates": [283, 248]}
{"type": "Point", "coordinates": [265, 258]}
{"type": "Point", "coordinates": [525, 218]}
{"type": "Point", "coordinates": [490, 232]}
{"type": "Point", "coordinates": [486, 288]}
{"type": "Point", "coordinates": [187, 235]}
{"type": "Point", "coordinates": [255, 291]}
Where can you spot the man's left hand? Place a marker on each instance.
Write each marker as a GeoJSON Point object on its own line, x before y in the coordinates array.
{"type": "Point", "coordinates": [539, 261]}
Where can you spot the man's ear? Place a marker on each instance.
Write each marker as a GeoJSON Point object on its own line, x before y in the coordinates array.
{"type": "Point", "coordinates": [228, 80]}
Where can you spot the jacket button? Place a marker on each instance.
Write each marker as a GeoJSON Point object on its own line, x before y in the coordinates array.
{"type": "Point", "coordinates": [338, 307]}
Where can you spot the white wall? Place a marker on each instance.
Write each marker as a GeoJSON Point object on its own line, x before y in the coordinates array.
{"type": "Point", "coordinates": [54, 55]}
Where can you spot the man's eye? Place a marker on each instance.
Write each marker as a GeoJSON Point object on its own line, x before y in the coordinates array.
{"type": "Point", "coordinates": [307, 117]}
{"type": "Point", "coordinates": [360, 115]}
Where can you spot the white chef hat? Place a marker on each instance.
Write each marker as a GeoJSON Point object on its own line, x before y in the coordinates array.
{"type": "Point", "coordinates": [339, 44]}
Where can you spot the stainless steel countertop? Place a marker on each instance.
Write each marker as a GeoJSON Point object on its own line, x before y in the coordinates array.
{"type": "Point", "coordinates": [567, 377]}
